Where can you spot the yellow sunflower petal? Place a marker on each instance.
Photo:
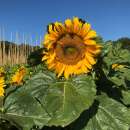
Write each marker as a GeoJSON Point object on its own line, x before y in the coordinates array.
{"type": "Point", "coordinates": [50, 28]}
{"type": "Point", "coordinates": [95, 49]}
{"type": "Point", "coordinates": [59, 28]}
{"type": "Point", "coordinates": [76, 27]}
{"type": "Point", "coordinates": [70, 69]}
{"type": "Point", "coordinates": [90, 59]}
{"type": "Point", "coordinates": [83, 68]}
{"type": "Point", "coordinates": [61, 71]}
{"type": "Point", "coordinates": [1, 92]}
{"type": "Point", "coordinates": [90, 42]}
{"type": "Point", "coordinates": [85, 29]}
{"type": "Point", "coordinates": [44, 58]}
{"type": "Point", "coordinates": [69, 25]}
{"type": "Point", "coordinates": [91, 34]}
{"type": "Point", "coordinates": [78, 71]}
{"type": "Point", "coordinates": [66, 72]}
{"type": "Point", "coordinates": [52, 32]}
{"type": "Point", "coordinates": [49, 40]}
{"type": "Point", "coordinates": [87, 63]}
{"type": "Point", "coordinates": [51, 58]}
{"type": "Point", "coordinates": [51, 65]}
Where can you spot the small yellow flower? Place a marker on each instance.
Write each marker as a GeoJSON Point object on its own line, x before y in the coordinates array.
{"type": "Point", "coordinates": [2, 85]}
{"type": "Point", "coordinates": [2, 81]}
{"type": "Point", "coordinates": [117, 66]}
{"type": "Point", "coordinates": [17, 78]}
{"type": "Point", "coordinates": [71, 48]}
{"type": "Point", "coordinates": [2, 71]}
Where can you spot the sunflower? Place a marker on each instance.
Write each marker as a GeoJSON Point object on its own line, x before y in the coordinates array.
{"type": "Point", "coordinates": [2, 71]}
{"type": "Point", "coordinates": [117, 66]}
{"type": "Point", "coordinates": [2, 82]}
{"type": "Point", "coordinates": [17, 78]}
{"type": "Point", "coordinates": [70, 47]}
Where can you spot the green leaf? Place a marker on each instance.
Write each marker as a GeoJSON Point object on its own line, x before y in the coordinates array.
{"type": "Point", "coordinates": [118, 80]}
{"type": "Point", "coordinates": [46, 100]}
{"type": "Point", "coordinates": [121, 77]}
{"type": "Point", "coordinates": [1, 104]}
{"type": "Point", "coordinates": [115, 54]}
{"type": "Point", "coordinates": [110, 115]}
{"type": "Point", "coordinates": [126, 97]}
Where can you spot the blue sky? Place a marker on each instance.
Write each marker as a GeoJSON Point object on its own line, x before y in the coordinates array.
{"type": "Point", "coordinates": [110, 18]}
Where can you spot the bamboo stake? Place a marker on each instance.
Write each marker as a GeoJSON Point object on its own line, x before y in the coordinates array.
{"type": "Point", "coordinates": [16, 53]}
{"type": "Point", "coordinates": [4, 52]}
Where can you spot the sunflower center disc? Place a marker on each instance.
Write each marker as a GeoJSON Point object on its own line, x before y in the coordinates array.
{"type": "Point", "coordinates": [70, 50]}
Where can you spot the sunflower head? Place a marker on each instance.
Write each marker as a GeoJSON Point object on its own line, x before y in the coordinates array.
{"type": "Point", "coordinates": [2, 71]}
{"type": "Point", "coordinates": [2, 85]}
{"type": "Point", "coordinates": [117, 66]}
{"type": "Point", "coordinates": [17, 78]}
{"type": "Point", "coordinates": [71, 48]}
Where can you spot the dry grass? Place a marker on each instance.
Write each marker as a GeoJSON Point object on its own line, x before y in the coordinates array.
{"type": "Point", "coordinates": [14, 54]}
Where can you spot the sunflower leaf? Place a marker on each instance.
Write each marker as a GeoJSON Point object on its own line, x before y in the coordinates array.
{"type": "Point", "coordinates": [46, 100]}
{"type": "Point", "coordinates": [115, 54]}
{"type": "Point", "coordinates": [126, 97]}
{"type": "Point", "coordinates": [121, 77]}
{"type": "Point", "coordinates": [110, 115]}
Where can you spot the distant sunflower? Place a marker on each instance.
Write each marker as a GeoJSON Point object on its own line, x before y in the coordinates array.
{"type": "Point", "coordinates": [2, 81]}
{"type": "Point", "coordinates": [2, 71]}
{"type": "Point", "coordinates": [117, 66]}
{"type": "Point", "coordinates": [71, 48]}
{"type": "Point", "coordinates": [17, 78]}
